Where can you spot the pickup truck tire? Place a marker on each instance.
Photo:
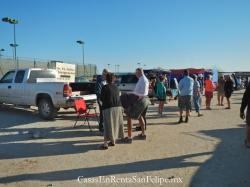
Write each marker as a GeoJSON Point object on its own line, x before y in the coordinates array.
{"type": "Point", "coordinates": [46, 109]}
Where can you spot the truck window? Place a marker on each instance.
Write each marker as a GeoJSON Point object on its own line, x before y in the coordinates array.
{"type": "Point", "coordinates": [8, 77]}
{"type": "Point", "coordinates": [19, 76]}
{"type": "Point", "coordinates": [42, 74]}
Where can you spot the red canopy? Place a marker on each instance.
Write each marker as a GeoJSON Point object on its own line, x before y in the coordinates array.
{"type": "Point", "coordinates": [191, 71]}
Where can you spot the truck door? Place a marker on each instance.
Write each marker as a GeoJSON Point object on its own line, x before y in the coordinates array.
{"type": "Point", "coordinates": [17, 89]}
{"type": "Point", "coordinates": [5, 87]}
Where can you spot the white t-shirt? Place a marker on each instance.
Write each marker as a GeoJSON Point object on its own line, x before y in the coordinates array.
{"type": "Point", "coordinates": [142, 86]}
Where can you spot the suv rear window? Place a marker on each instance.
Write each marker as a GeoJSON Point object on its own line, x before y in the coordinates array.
{"type": "Point", "coordinates": [42, 74]}
{"type": "Point", "coordinates": [129, 78]}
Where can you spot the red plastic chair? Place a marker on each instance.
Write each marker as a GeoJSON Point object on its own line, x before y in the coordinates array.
{"type": "Point", "coordinates": [83, 112]}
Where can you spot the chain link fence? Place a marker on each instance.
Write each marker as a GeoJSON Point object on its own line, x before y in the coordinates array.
{"type": "Point", "coordinates": [7, 63]}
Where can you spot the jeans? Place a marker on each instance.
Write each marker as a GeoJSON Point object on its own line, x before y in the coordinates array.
{"type": "Point", "coordinates": [101, 116]}
{"type": "Point", "coordinates": [197, 103]}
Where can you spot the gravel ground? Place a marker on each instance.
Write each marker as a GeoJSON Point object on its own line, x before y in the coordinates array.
{"type": "Point", "coordinates": [207, 151]}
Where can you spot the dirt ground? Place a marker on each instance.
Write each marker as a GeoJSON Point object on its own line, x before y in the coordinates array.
{"type": "Point", "coordinates": [207, 151]}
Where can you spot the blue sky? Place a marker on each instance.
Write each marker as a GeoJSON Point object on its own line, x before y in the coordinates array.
{"type": "Point", "coordinates": [155, 33]}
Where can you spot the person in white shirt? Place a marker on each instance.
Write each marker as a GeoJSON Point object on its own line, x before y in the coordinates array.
{"type": "Point", "coordinates": [141, 89]}
{"type": "Point", "coordinates": [142, 85]}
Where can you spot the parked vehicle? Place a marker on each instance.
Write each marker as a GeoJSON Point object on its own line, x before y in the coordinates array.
{"type": "Point", "coordinates": [38, 87]}
{"type": "Point", "coordinates": [126, 82]}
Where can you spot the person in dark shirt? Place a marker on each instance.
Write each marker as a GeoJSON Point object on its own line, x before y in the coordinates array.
{"type": "Point", "coordinates": [246, 103]}
{"type": "Point", "coordinates": [100, 82]}
{"type": "Point", "coordinates": [228, 90]}
{"type": "Point", "coordinates": [112, 112]}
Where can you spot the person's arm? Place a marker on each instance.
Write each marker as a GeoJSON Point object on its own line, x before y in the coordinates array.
{"type": "Point", "coordinates": [244, 102]}
{"type": "Point", "coordinates": [198, 87]}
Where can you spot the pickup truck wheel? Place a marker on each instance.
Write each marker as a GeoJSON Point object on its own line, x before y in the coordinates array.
{"type": "Point", "coordinates": [46, 109]}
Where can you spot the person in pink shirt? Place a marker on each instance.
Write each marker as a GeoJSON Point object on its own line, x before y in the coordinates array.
{"type": "Point", "coordinates": [209, 89]}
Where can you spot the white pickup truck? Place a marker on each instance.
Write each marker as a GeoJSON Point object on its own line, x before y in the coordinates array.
{"type": "Point", "coordinates": [38, 87]}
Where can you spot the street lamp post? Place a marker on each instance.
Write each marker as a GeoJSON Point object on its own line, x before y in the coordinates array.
{"type": "Point", "coordinates": [82, 44]}
{"type": "Point", "coordinates": [138, 64]}
{"type": "Point", "coordinates": [14, 22]}
{"type": "Point", "coordinates": [1, 50]}
{"type": "Point", "coordinates": [108, 66]}
{"type": "Point", "coordinates": [13, 49]}
{"type": "Point", "coordinates": [118, 68]}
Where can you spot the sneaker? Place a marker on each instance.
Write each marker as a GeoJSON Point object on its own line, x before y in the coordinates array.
{"type": "Point", "coordinates": [127, 140]}
{"type": "Point", "coordinates": [103, 146]}
{"type": "Point", "coordinates": [186, 120]}
{"type": "Point", "coordinates": [199, 115]}
{"type": "Point", "coordinates": [142, 136]}
{"type": "Point", "coordinates": [111, 144]}
{"type": "Point", "coordinates": [180, 120]}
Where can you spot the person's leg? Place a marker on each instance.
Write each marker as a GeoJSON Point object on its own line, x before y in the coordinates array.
{"type": "Point", "coordinates": [162, 107]}
{"type": "Point", "coordinates": [105, 136]}
{"type": "Point", "coordinates": [100, 117]}
{"type": "Point", "coordinates": [159, 107]}
{"type": "Point", "coordinates": [228, 103]}
{"type": "Point", "coordinates": [181, 106]}
{"type": "Point", "coordinates": [129, 123]}
{"type": "Point", "coordinates": [199, 107]}
{"type": "Point", "coordinates": [221, 101]}
{"type": "Point", "coordinates": [187, 115]}
{"type": "Point", "coordinates": [181, 119]}
{"type": "Point", "coordinates": [144, 117]}
{"type": "Point", "coordinates": [142, 123]}
{"type": "Point", "coordinates": [188, 105]}
{"type": "Point", "coordinates": [209, 102]}
{"type": "Point", "coordinates": [105, 141]}
{"type": "Point", "coordinates": [196, 103]}
{"type": "Point", "coordinates": [218, 99]}
{"type": "Point", "coordinates": [206, 102]}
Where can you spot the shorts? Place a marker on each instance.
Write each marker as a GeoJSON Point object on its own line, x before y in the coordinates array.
{"type": "Point", "coordinates": [137, 108]}
{"type": "Point", "coordinates": [220, 93]}
{"type": "Point", "coordinates": [185, 102]}
{"type": "Point", "coordinates": [209, 95]}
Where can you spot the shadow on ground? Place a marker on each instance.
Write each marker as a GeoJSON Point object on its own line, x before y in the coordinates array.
{"type": "Point", "coordinates": [133, 167]}
{"type": "Point", "coordinates": [229, 165]}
